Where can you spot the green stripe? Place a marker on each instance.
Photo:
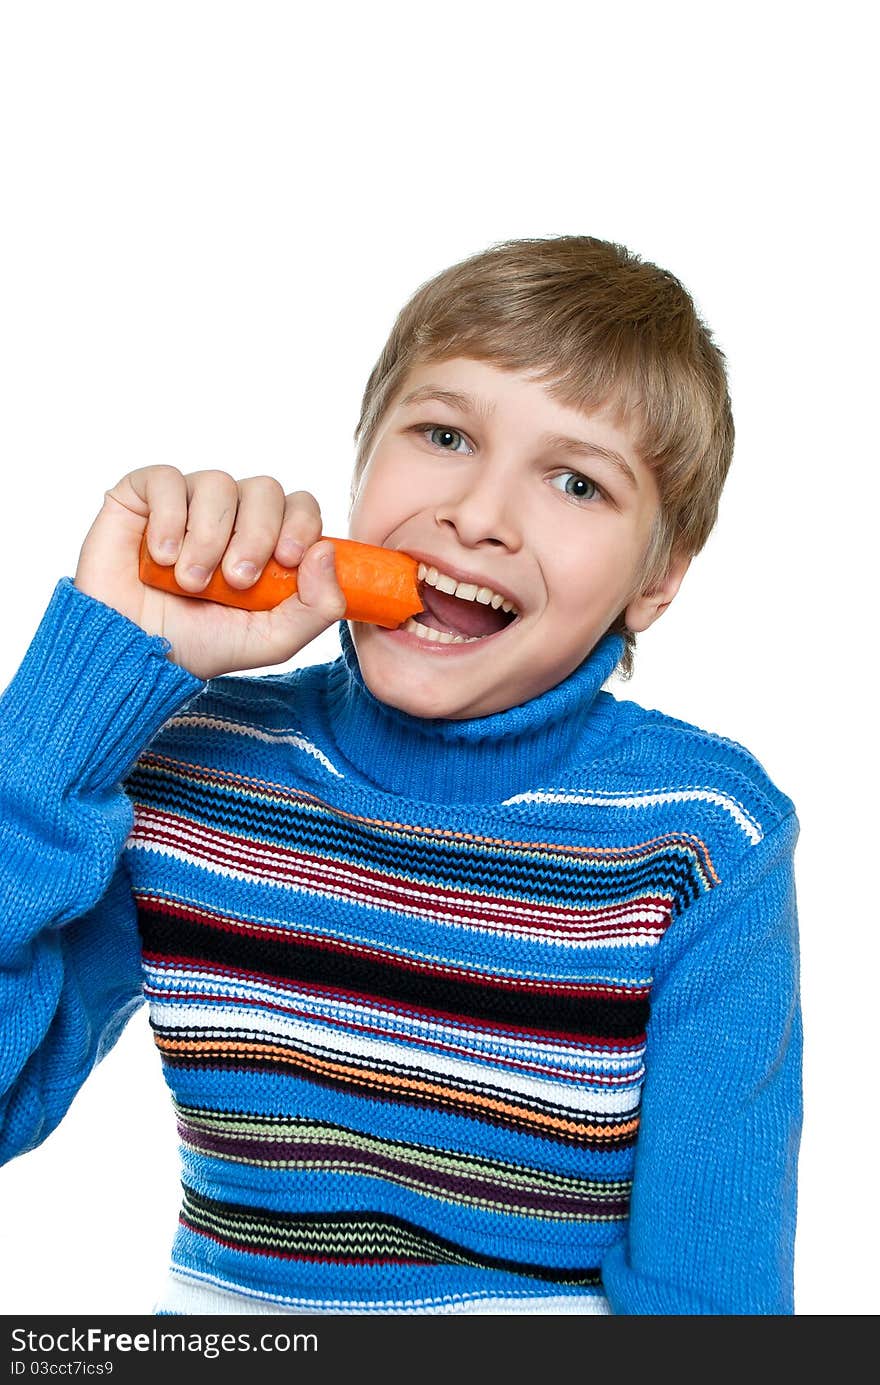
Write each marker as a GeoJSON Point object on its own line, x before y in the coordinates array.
{"type": "Point", "coordinates": [274, 1128]}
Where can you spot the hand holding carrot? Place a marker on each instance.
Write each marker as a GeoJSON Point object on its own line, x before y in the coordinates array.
{"type": "Point", "coordinates": [380, 585]}
{"type": "Point", "coordinates": [212, 522]}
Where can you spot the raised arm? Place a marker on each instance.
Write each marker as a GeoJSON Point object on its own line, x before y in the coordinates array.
{"type": "Point", "coordinates": [112, 660]}
{"type": "Point", "coordinates": [90, 694]}
{"type": "Point", "coordinates": [712, 1222]}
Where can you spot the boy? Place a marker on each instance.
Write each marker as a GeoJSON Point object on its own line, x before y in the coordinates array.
{"type": "Point", "coordinates": [475, 987]}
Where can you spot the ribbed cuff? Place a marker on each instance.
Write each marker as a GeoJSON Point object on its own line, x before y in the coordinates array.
{"type": "Point", "coordinates": [91, 692]}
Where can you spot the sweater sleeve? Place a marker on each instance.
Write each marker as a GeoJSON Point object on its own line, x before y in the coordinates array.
{"type": "Point", "coordinates": [91, 692]}
{"type": "Point", "coordinates": [712, 1222]}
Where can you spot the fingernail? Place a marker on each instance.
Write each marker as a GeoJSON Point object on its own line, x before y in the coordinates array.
{"type": "Point", "coordinates": [168, 547]}
{"type": "Point", "coordinates": [327, 558]}
{"type": "Point", "coordinates": [245, 570]}
{"type": "Point", "coordinates": [198, 574]}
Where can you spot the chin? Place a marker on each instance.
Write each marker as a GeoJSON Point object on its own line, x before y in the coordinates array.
{"type": "Point", "coordinates": [422, 687]}
{"type": "Point", "coordinates": [414, 701]}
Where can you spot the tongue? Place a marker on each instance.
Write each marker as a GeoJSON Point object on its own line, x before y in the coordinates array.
{"type": "Point", "coordinates": [445, 612]}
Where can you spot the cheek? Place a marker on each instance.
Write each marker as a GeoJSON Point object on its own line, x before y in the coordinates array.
{"type": "Point", "coordinates": [594, 579]}
{"type": "Point", "coordinates": [383, 484]}
{"type": "Point", "coordinates": [374, 503]}
{"type": "Point", "coordinates": [575, 574]}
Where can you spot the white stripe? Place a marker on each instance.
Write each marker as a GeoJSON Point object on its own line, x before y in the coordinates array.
{"type": "Point", "coordinates": [743, 819]}
{"type": "Point", "coordinates": [283, 868]}
{"type": "Point", "coordinates": [191, 1292]}
{"type": "Point", "coordinates": [273, 737]}
{"type": "Point", "coordinates": [571, 1093]}
{"type": "Point", "coordinates": [617, 940]}
{"type": "Point", "coordinates": [195, 835]}
{"type": "Point", "coordinates": [161, 989]}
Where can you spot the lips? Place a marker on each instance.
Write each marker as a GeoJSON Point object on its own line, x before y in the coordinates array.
{"type": "Point", "coordinates": [446, 612]}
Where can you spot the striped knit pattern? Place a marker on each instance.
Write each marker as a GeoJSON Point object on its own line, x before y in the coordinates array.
{"type": "Point", "coordinates": [401, 1055]}
{"type": "Point", "coordinates": [347, 1237]}
{"type": "Point", "coordinates": [280, 1142]}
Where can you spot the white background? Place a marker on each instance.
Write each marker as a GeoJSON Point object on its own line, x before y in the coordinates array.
{"type": "Point", "coordinates": [211, 214]}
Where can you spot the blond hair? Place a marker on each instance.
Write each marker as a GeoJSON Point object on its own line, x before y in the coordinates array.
{"type": "Point", "coordinates": [602, 329]}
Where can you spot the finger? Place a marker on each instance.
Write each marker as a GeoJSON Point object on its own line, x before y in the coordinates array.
{"type": "Point", "coordinates": [300, 528]}
{"type": "Point", "coordinates": [257, 524]}
{"type": "Point", "coordinates": [157, 494]}
{"type": "Point", "coordinates": [213, 504]}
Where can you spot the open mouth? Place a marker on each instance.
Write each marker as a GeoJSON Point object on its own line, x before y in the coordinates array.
{"type": "Point", "coordinates": [458, 612]}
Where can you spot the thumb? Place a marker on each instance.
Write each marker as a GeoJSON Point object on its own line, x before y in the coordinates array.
{"type": "Point", "coordinates": [317, 585]}
{"type": "Point", "coordinates": [319, 600]}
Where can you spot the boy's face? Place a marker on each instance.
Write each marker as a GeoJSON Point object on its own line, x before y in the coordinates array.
{"type": "Point", "coordinates": [486, 490]}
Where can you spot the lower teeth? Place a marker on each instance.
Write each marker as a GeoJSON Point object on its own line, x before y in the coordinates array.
{"type": "Point", "coordinates": [440, 636]}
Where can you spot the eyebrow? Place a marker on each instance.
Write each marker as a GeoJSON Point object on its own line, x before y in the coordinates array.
{"type": "Point", "coordinates": [575, 447]}
{"type": "Point", "coordinates": [468, 403]}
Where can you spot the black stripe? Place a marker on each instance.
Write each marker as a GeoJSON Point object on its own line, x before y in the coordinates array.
{"type": "Point", "coordinates": [606, 1017]}
{"type": "Point", "coordinates": [290, 1226]}
{"type": "Point", "coordinates": [670, 869]}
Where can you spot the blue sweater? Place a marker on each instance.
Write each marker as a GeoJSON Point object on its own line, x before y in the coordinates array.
{"type": "Point", "coordinates": [497, 1015]}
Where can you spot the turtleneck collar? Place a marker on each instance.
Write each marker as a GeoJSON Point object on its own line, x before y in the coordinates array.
{"type": "Point", "coordinates": [478, 759]}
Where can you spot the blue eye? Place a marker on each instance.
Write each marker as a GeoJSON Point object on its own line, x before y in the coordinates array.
{"type": "Point", "coordinates": [577, 486]}
{"type": "Point", "coordinates": [444, 438]}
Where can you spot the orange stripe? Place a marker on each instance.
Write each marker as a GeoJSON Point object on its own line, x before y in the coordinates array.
{"type": "Point", "coordinates": [426, 1090]}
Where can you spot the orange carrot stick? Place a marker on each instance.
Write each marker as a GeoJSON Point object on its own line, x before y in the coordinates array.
{"type": "Point", "coordinates": [379, 584]}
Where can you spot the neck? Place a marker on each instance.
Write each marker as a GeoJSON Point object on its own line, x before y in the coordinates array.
{"type": "Point", "coordinates": [479, 759]}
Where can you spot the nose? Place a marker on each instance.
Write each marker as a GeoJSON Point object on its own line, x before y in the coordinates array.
{"type": "Point", "coordinates": [483, 509]}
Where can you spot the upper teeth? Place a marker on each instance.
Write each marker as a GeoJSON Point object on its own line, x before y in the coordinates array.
{"type": "Point", "coordinates": [465, 591]}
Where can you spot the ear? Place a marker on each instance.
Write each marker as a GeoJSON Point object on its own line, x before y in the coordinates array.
{"type": "Point", "coordinates": [644, 609]}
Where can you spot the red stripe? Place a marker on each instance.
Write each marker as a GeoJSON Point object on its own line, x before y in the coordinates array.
{"type": "Point", "coordinates": [377, 889]}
